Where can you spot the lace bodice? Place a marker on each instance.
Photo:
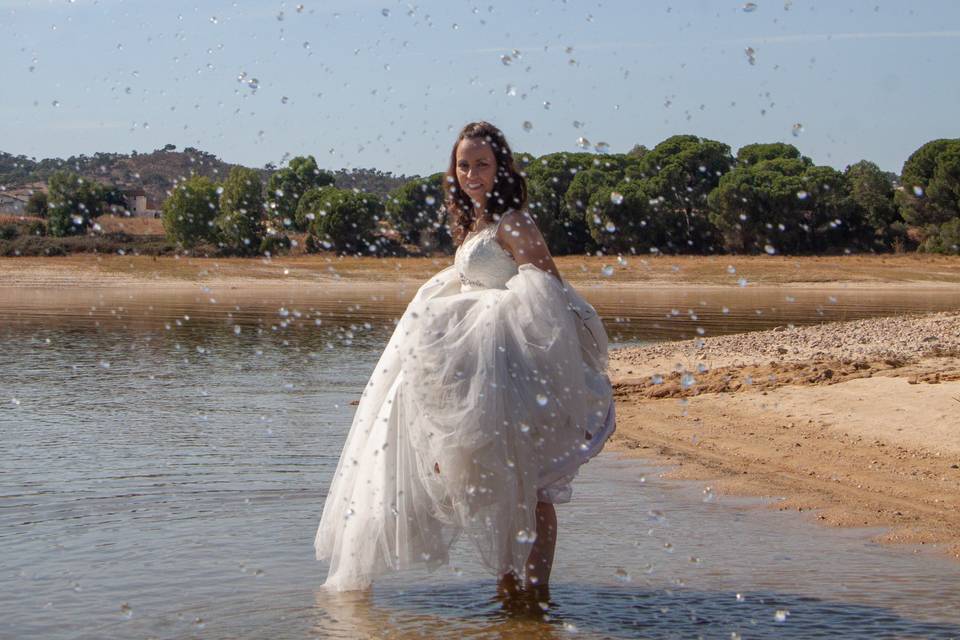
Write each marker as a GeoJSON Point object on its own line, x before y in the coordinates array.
{"type": "Point", "coordinates": [482, 263]}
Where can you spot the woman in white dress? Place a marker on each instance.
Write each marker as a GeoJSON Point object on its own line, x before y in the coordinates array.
{"type": "Point", "coordinates": [490, 394]}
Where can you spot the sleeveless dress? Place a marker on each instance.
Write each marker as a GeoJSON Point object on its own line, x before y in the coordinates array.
{"type": "Point", "coordinates": [495, 375]}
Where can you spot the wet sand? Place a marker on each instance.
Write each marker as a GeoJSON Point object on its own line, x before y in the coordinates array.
{"type": "Point", "coordinates": [857, 423]}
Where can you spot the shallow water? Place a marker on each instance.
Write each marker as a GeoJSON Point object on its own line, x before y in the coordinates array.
{"type": "Point", "coordinates": [167, 482]}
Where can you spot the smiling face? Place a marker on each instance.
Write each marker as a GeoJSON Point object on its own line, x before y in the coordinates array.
{"type": "Point", "coordinates": [476, 169]}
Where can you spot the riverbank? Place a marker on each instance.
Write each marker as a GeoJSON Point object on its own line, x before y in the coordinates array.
{"type": "Point", "coordinates": [111, 270]}
{"type": "Point", "coordinates": [856, 422]}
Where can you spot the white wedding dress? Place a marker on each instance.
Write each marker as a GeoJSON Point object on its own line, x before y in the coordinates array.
{"type": "Point", "coordinates": [496, 376]}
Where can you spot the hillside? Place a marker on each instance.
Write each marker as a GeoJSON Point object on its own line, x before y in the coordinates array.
{"type": "Point", "coordinates": [157, 171]}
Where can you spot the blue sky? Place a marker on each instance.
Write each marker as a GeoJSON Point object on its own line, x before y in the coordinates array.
{"type": "Point", "coordinates": [387, 84]}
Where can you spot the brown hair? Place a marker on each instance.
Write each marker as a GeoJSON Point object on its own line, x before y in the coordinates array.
{"type": "Point", "coordinates": [510, 189]}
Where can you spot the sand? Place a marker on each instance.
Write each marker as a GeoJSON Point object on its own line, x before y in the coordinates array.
{"type": "Point", "coordinates": [856, 423]}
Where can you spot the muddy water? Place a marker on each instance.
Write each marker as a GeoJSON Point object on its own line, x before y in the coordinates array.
{"type": "Point", "coordinates": [165, 461]}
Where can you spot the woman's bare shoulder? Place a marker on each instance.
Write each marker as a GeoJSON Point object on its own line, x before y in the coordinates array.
{"type": "Point", "coordinates": [516, 223]}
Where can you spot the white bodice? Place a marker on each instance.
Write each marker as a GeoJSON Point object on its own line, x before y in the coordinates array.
{"type": "Point", "coordinates": [481, 261]}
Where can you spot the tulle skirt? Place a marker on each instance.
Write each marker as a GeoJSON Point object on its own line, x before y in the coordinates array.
{"type": "Point", "coordinates": [483, 403]}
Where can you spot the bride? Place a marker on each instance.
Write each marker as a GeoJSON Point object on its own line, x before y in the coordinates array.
{"type": "Point", "coordinates": [489, 395]}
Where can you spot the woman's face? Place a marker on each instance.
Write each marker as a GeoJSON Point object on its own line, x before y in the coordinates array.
{"type": "Point", "coordinates": [476, 169]}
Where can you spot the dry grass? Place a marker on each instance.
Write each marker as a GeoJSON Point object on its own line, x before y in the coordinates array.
{"type": "Point", "coordinates": [880, 271]}
{"type": "Point", "coordinates": [7, 219]}
{"type": "Point", "coordinates": [131, 226]}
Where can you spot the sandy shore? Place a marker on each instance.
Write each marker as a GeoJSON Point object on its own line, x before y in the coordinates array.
{"type": "Point", "coordinates": [857, 423]}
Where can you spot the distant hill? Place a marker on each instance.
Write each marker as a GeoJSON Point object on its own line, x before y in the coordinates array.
{"type": "Point", "coordinates": [157, 171]}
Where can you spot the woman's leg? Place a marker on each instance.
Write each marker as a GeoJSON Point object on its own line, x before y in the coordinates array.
{"type": "Point", "coordinates": [540, 561]}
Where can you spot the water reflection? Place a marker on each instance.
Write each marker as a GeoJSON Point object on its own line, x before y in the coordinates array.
{"type": "Point", "coordinates": [597, 611]}
{"type": "Point", "coordinates": [344, 315]}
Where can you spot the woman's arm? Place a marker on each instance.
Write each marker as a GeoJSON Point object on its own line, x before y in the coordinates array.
{"type": "Point", "coordinates": [518, 233]}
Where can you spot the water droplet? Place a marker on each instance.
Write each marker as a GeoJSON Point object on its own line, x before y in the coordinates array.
{"type": "Point", "coordinates": [751, 55]}
{"type": "Point", "coordinates": [126, 611]}
{"type": "Point", "coordinates": [527, 125]}
{"type": "Point", "coordinates": [385, 13]}
{"type": "Point", "coordinates": [306, 44]}
{"type": "Point", "coordinates": [601, 147]}
{"type": "Point", "coordinates": [253, 84]}
{"type": "Point", "coordinates": [769, 248]}
{"type": "Point", "coordinates": [749, 7]}
{"type": "Point", "coordinates": [455, 26]}
{"type": "Point", "coordinates": [506, 59]}
{"type": "Point", "coordinates": [583, 143]}
{"type": "Point", "coordinates": [802, 195]}
{"type": "Point", "coordinates": [607, 270]}
{"type": "Point", "coordinates": [742, 282]}
{"type": "Point", "coordinates": [796, 130]}
{"type": "Point", "coordinates": [284, 100]}
{"type": "Point", "coordinates": [622, 575]}
{"type": "Point", "coordinates": [731, 269]}
{"type": "Point", "coordinates": [511, 90]}
{"type": "Point", "coordinates": [687, 380]}
{"type": "Point", "coordinates": [610, 227]}
{"type": "Point", "coordinates": [781, 615]}
{"type": "Point", "coordinates": [56, 103]}
{"type": "Point", "coordinates": [524, 427]}
{"type": "Point", "coordinates": [430, 200]}
{"type": "Point", "coordinates": [616, 197]}
{"type": "Point", "coordinates": [199, 623]}
{"type": "Point", "coordinates": [577, 124]}
{"type": "Point", "coordinates": [740, 597]}
{"type": "Point", "coordinates": [546, 105]}
{"type": "Point", "coordinates": [525, 535]}
{"type": "Point", "coordinates": [656, 379]}
{"type": "Point", "coordinates": [917, 189]}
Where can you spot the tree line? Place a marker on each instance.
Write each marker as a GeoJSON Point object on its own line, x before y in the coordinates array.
{"type": "Point", "coordinates": [686, 195]}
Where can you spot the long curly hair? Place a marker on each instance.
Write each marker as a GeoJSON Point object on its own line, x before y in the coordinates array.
{"type": "Point", "coordinates": [509, 190]}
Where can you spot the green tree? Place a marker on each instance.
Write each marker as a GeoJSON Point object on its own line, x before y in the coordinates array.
{"type": "Point", "coordinates": [579, 212]}
{"type": "Point", "coordinates": [548, 178]}
{"type": "Point", "coordinates": [760, 151]}
{"type": "Point", "coordinates": [240, 220]}
{"type": "Point", "coordinates": [416, 208]}
{"type": "Point", "coordinates": [73, 202]}
{"type": "Point", "coordinates": [931, 184]}
{"type": "Point", "coordinates": [943, 239]}
{"type": "Point", "coordinates": [623, 220]}
{"type": "Point", "coordinates": [872, 191]}
{"type": "Point", "coordinates": [38, 204]}
{"type": "Point", "coordinates": [314, 204]}
{"type": "Point", "coordinates": [190, 211]}
{"type": "Point", "coordinates": [786, 205]}
{"type": "Point", "coordinates": [347, 220]}
{"type": "Point", "coordinates": [287, 186]}
{"type": "Point", "coordinates": [680, 173]}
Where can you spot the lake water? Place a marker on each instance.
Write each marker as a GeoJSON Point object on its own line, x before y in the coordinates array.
{"type": "Point", "coordinates": [165, 458]}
